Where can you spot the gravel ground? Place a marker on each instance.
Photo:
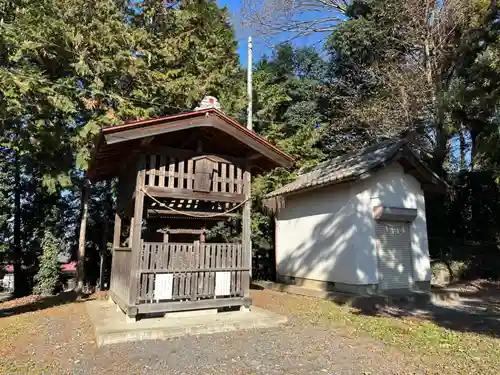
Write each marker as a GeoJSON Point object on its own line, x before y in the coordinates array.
{"type": "Point", "coordinates": [297, 348]}
{"type": "Point", "coordinates": [59, 340]}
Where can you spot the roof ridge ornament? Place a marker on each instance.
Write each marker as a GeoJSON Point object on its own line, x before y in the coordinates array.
{"type": "Point", "coordinates": [209, 102]}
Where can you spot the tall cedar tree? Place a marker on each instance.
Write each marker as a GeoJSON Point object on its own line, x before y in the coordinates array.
{"type": "Point", "coordinates": [67, 69]}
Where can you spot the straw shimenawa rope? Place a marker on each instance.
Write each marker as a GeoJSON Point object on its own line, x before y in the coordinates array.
{"type": "Point", "coordinates": [195, 215]}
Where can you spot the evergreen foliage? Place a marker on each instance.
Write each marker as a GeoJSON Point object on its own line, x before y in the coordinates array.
{"type": "Point", "coordinates": [288, 105]}
{"type": "Point", "coordinates": [67, 69]}
{"type": "Point", "coordinates": [49, 272]}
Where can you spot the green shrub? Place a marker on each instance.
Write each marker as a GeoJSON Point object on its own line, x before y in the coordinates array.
{"type": "Point", "coordinates": [48, 276]}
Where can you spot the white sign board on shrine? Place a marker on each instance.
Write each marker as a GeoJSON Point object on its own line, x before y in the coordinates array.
{"type": "Point", "coordinates": [222, 283]}
{"type": "Point", "coordinates": [163, 286]}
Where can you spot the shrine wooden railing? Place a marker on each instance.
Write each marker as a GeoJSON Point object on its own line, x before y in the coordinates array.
{"type": "Point", "coordinates": [208, 174]}
{"type": "Point", "coordinates": [120, 273]}
{"type": "Point", "coordinates": [190, 272]}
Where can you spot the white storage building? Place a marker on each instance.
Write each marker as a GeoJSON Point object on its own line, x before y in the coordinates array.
{"type": "Point", "coordinates": [357, 223]}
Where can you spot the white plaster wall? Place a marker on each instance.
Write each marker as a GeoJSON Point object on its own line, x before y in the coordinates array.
{"type": "Point", "coordinates": [392, 187]}
{"type": "Point", "coordinates": [328, 234]}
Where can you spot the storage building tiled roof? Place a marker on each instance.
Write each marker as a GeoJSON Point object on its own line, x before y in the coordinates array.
{"type": "Point", "coordinates": [349, 167]}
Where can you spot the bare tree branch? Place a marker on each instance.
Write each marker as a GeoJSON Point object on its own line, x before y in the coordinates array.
{"type": "Point", "coordinates": [299, 17]}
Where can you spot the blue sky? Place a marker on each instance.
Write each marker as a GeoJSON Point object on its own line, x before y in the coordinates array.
{"type": "Point", "coordinates": [261, 47]}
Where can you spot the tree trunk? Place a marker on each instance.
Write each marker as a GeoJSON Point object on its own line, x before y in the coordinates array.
{"type": "Point", "coordinates": [81, 240]}
{"type": "Point", "coordinates": [440, 151]}
{"type": "Point", "coordinates": [473, 150]}
{"type": "Point", "coordinates": [20, 284]}
{"type": "Point", "coordinates": [434, 82]}
{"type": "Point", "coordinates": [463, 150]}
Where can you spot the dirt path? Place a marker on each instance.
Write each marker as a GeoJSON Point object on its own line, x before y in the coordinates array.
{"type": "Point", "coordinates": [59, 340]}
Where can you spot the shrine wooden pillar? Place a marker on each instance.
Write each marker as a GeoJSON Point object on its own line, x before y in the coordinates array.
{"type": "Point", "coordinates": [136, 235]}
{"type": "Point", "coordinates": [117, 230]}
{"type": "Point", "coordinates": [246, 232]}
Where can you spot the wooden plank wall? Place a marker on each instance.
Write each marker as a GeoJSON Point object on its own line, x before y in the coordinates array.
{"type": "Point", "coordinates": [120, 273]}
{"type": "Point", "coordinates": [126, 188]}
{"type": "Point", "coordinates": [179, 173]}
{"type": "Point", "coordinates": [193, 267]}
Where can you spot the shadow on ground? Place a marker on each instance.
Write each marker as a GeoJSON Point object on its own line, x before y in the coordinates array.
{"type": "Point", "coordinates": [35, 303]}
{"type": "Point", "coordinates": [476, 309]}
{"type": "Point", "coordinates": [255, 286]}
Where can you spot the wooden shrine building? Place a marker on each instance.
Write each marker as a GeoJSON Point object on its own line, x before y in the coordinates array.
{"type": "Point", "coordinates": [177, 177]}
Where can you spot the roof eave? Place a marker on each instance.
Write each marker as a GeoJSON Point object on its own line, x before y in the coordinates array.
{"type": "Point", "coordinates": [277, 157]}
{"type": "Point", "coordinates": [353, 177]}
{"type": "Point", "coordinates": [431, 181]}
{"type": "Point", "coordinates": [142, 123]}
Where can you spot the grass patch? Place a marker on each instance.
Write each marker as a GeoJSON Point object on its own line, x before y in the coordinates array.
{"type": "Point", "coordinates": [443, 350]}
{"type": "Point", "coordinates": [11, 329]}
{"type": "Point", "coordinates": [21, 326]}
{"type": "Point", "coordinates": [461, 352]}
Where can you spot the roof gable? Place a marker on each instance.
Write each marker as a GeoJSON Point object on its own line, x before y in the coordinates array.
{"type": "Point", "coordinates": [116, 142]}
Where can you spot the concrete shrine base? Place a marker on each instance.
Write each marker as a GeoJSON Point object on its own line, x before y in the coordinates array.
{"type": "Point", "coordinates": [112, 327]}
